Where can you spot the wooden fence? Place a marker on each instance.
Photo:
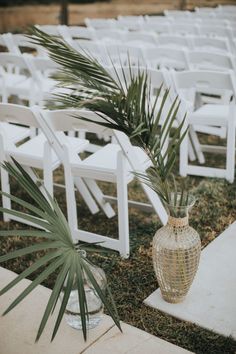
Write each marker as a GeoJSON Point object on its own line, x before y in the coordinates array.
{"type": "Point", "coordinates": [18, 18]}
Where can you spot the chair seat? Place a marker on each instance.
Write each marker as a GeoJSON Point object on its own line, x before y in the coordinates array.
{"type": "Point", "coordinates": [31, 153]}
{"type": "Point", "coordinates": [210, 114]}
{"type": "Point", "coordinates": [103, 163]}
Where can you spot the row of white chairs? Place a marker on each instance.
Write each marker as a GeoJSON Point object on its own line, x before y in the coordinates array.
{"type": "Point", "coordinates": [16, 87]}
{"type": "Point", "coordinates": [223, 98]}
{"type": "Point", "coordinates": [18, 43]}
{"type": "Point", "coordinates": [206, 29]}
{"type": "Point", "coordinates": [115, 162]}
{"type": "Point", "coordinates": [28, 76]}
{"type": "Point", "coordinates": [112, 163]}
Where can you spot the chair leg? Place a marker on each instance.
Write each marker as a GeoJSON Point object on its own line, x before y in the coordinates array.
{"type": "Point", "coordinates": [86, 195]}
{"type": "Point", "coordinates": [99, 196]}
{"type": "Point", "coordinates": [5, 186]}
{"type": "Point", "coordinates": [230, 152]}
{"type": "Point", "coordinates": [183, 159]}
{"type": "Point", "coordinates": [191, 154]}
{"type": "Point", "coordinates": [123, 211]}
{"type": "Point", "coordinates": [47, 169]}
{"type": "Point", "coordinates": [71, 203]}
{"type": "Point", "coordinates": [196, 145]}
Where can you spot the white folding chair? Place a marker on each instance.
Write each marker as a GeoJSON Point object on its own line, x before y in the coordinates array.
{"type": "Point", "coordinates": [208, 115]}
{"type": "Point", "coordinates": [113, 163]}
{"type": "Point", "coordinates": [35, 153]}
{"type": "Point", "coordinates": [164, 57]}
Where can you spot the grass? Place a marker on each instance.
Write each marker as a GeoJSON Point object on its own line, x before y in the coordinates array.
{"type": "Point", "coordinates": [132, 280]}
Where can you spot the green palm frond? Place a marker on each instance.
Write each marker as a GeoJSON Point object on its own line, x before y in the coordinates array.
{"type": "Point", "coordinates": [61, 254]}
{"type": "Point", "coordinates": [125, 102]}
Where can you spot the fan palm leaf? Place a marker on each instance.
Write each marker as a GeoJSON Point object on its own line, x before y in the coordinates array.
{"type": "Point", "coordinates": [60, 253]}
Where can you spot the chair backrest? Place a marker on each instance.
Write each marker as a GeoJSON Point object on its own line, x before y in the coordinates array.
{"type": "Point", "coordinates": [55, 123]}
{"type": "Point", "coordinates": [184, 29]}
{"type": "Point", "coordinates": [209, 43]}
{"type": "Point", "coordinates": [213, 22]}
{"type": "Point", "coordinates": [10, 62]}
{"type": "Point", "coordinates": [98, 22]}
{"type": "Point", "coordinates": [171, 40]}
{"type": "Point", "coordinates": [208, 61]}
{"type": "Point", "coordinates": [166, 57]}
{"type": "Point", "coordinates": [114, 34]}
{"type": "Point", "coordinates": [131, 22]}
{"type": "Point", "coordinates": [227, 8]}
{"type": "Point", "coordinates": [52, 30]}
{"type": "Point", "coordinates": [17, 114]}
{"type": "Point", "coordinates": [10, 44]}
{"type": "Point", "coordinates": [216, 31]}
{"type": "Point", "coordinates": [207, 10]}
{"type": "Point", "coordinates": [2, 42]}
{"type": "Point", "coordinates": [21, 43]}
{"type": "Point", "coordinates": [91, 49]}
{"type": "Point", "coordinates": [156, 27]}
{"type": "Point", "coordinates": [41, 68]}
{"type": "Point", "coordinates": [124, 54]}
{"type": "Point", "coordinates": [177, 13]}
{"type": "Point", "coordinates": [78, 32]}
{"type": "Point", "coordinates": [132, 18]}
{"type": "Point", "coordinates": [188, 83]}
{"type": "Point", "coordinates": [141, 37]}
{"type": "Point", "coordinates": [157, 19]}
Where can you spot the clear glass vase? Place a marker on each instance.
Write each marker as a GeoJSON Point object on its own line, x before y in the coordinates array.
{"type": "Point", "coordinates": [176, 252]}
{"type": "Point", "coordinates": [94, 303]}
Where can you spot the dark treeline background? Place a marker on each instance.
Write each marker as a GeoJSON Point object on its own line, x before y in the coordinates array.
{"type": "Point", "coordinates": [44, 2]}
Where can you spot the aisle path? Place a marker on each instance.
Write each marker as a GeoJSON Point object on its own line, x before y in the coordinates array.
{"type": "Point", "coordinates": [19, 327]}
{"type": "Point", "coordinates": [211, 302]}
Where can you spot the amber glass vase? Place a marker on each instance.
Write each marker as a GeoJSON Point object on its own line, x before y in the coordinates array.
{"type": "Point", "coordinates": [176, 252]}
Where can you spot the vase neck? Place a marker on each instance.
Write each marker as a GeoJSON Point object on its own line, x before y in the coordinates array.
{"type": "Point", "coordinates": [178, 222]}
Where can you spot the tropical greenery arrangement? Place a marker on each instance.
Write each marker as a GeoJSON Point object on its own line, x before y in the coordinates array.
{"type": "Point", "coordinates": [124, 104]}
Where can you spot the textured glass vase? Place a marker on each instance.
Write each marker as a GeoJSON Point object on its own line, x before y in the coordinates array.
{"type": "Point", "coordinates": [94, 303]}
{"type": "Point", "coordinates": [176, 253]}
